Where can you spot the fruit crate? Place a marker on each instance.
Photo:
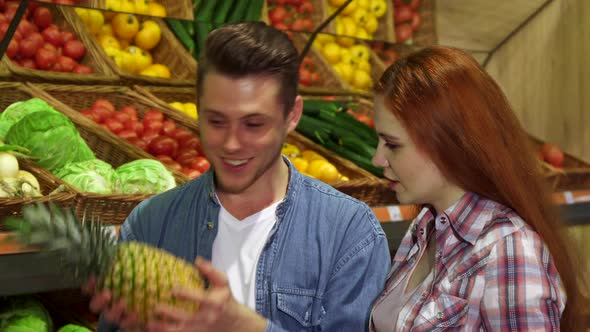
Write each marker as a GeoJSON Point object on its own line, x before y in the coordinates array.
{"type": "Point", "coordinates": [426, 33]}
{"type": "Point", "coordinates": [169, 52]}
{"type": "Point", "coordinates": [180, 9]}
{"type": "Point", "coordinates": [388, 53]}
{"type": "Point", "coordinates": [574, 174]}
{"type": "Point", "coordinates": [102, 72]}
{"type": "Point", "coordinates": [385, 28]}
{"type": "Point", "coordinates": [163, 95]}
{"type": "Point", "coordinates": [113, 208]}
{"type": "Point", "coordinates": [284, 15]}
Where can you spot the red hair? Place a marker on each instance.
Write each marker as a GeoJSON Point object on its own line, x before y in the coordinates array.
{"type": "Point", "coordinates": [458, 115]}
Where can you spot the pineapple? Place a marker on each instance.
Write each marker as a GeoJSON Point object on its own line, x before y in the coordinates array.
{"type": "Point", "coordinates": [140, 274]}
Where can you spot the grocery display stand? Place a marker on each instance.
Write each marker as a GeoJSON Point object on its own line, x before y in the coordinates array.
{"type": "Point", "coordinates": [26, 271]}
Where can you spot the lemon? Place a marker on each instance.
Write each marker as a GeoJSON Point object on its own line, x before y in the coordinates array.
{"type": "Point", "coordinates": [300, 164]}
{"type": "Point", "coordinates": [191, 110]}
{"type": "Point", "coordinates": [361, 33]}
{"type": "Point", "coordinates": [83, 14]}
{"type": "Point", "coordinates": [156, 9]}
{"type": "Point", "coordinates": [347, 71]}
{"type": "Point", "coordinates": [106, 29]}
{"type": "Point", "coordinates": [141, 7]}
{"type": "Point", "coordinates": [349, 26]}
{"type": "Point", "coordinates": [178, 106]}
{"type": "Point", "coordinates": [371, 24]}
{"type": "Point", "coordinates": [332, 52]}
{"type": "Point", "coordinates": [108, 41]}
{"type": "Point", "coordinates": [311, 155]}
{"type": "Point", "coordinates": [360, 52]}
{"type": "Point", "coordinates": [111, 51]}
{"type": "Point", "coordinates": [290, 150]}
{"type": "Point", "coordinates": [360, 16]}
{"type": "Point", "coordinates": [364, 66]}
{"type": "Point", "coordinates": [317, 45]}
{"type": "Point", "coordinates": [350, 8]}
{"type": "Point", "coordinates": [128, 62]}
{"type": "Point", "coordinates": [378, 7]}
{"type": "Point", "coordinates": [323, 170]}
{"type": "Point", "coordinates": [361, 80]}
{"type": "Point", "coordinates": [127, 6]}
{"type": "Point", "coordinates": [323, 38]}
{"type": "Point", "coordinates": [349, 59]}
{"type": "Point", "coordinates": [364, 4]}
{"type": "Point", "coordinates": [95, 21]}
{"type": "Point", "coordinates": [343, 178]}
{"type": "Point", "coordinates": [160, 69]}
{"type": "Point", "coordinates": [345, 41]}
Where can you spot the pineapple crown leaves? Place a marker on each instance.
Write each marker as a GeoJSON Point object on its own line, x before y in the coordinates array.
{"type": "Point", "coordinates": [87, 247]}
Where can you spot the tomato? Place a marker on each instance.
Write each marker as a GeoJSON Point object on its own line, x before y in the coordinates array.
{"type": "Point", "coordinates": [403, 32]}
{"type": "Point", "coordinates": [101, 112]}
{"type": "Point", "coordinates": [164, 158]}
{"type": "Point", "coordinates": [153, 124]}
{"type": "Point", "coordinates": [552, 154]}
{"type": "Point", "coordinates": [149, 135]}
{"type": "Point", "coordinates": [201, 164]}
{"type": "Point", "coordinates": [82, 69]}
{"type": "Point", "coordinates": [298, 25]}
{"type": "Point", "coordinates": [129, 110]}
{"type": "Point", "coordinates": [163, 145]}
{"type": "Point", "coordinates": [91, 115]}
{"type": "Point", "coordinates": [277, 15]}
{"type": "Point", "coordinates": [316, 79]}
{"type": "Point", "coordinates": [25, 28]}
{"type": "Point", "coordinates": [168, 127]}
{"type": "Point", "coordinates": [27, 48]}
{"type": "Point", "coordinates": [186, 156]}
{"type": "Point", "coordinates": [181, 134]}
{"type": "Point", "coordinates": [139, 143]}
{"type": "Point", "coordinates": [12, 49]}
{"type": "Point", "coordinates": [74, 49]}
{"type": "Point", "coordinates": [402, 14]}
{"type": "Point", "coordinates": [306, 7]}
{"type": "Point", "coordinates": [9, 13]}
{"type": "Point", "coordinates": [136, 126]}
{"type": "Point", "coordinates": [53, 36]}
{"type": "Point", "coordinates": [153, 114]}
{"type": "Point", "coordinates": [365, 119]}
{"type": "Point", "coordinates": [174, 165]}
{"type": "Point", "coordinates": [66, 64]}
{"type": "Point", "coordinates": [416, 21]}
{"type": "Point", "coordinates": [42, 17]}
{"type": "Point", "coordinates": [191, 173]}
{"type": "Point", "coordinates": [28, 63]}
{"type": "Point", "coordinates": [121, 117]}
{"type": "Point", "coordinates": [104, 103]}
{"type": "Point", "coordinates": [66, 36]}
{"type": "Point", "coordinates": [114, 125]}
{"type": "Point", "coordinates": [126, 134]}
{"type": "Point", "coordinates": [414, 4]}
{"type": "Point", "coordinates": [37, 38]}
{"type": "Point", "coordinates": [45, 58]}
{"type": "Point", "coordinates": [190, 142]}
{"type": "Point", "coordinates": [305, 77]}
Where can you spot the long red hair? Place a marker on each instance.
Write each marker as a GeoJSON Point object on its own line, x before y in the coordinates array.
{"type": "Point", "coordinates": [458, 115]}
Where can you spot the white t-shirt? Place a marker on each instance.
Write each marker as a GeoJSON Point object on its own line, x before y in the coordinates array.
{"type": "Point", "coordinates": [237, 247]}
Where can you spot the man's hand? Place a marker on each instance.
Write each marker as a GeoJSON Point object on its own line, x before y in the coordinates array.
{"type": "Point", "coordinates": [218, 310]}
{"type": "Point", "coordinates": [116, 314]}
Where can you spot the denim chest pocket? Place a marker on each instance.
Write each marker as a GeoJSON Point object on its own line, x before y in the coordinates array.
{"type": "Point", "coordinates": [301, 305]}
{"type": "Point", "coordinates": [442, 313]}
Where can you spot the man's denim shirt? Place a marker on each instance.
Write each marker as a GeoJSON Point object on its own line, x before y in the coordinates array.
{"type": "Point", "coordinates": [324, 263]}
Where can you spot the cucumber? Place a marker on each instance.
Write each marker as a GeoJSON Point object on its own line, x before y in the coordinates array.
{"type": "Point", "coordinates": [254, 10]}
{"type": "Point", "coordinates": [185, 38]}
{"type": "Point", "coordinates": [356, 145]}
{"type": "Point", "coordinates": [222, 10]}
{"type": "Point", "coordinates": [360, 161]}
{"type": "Point", "coordinates": [313, 106]}
{"type": "Point", "coordinates": [238, 11]}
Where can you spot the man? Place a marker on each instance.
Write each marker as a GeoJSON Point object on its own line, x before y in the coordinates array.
{"type": "Point", "coordinates": [286, 252]}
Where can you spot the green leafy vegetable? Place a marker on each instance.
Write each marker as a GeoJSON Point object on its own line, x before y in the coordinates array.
{"type": "Point", "coordinates": [23, 314]}
{"type": "Point", "coordinates": [92, 176]}
{"type": "Point", "coordinates": [16, 111]}
{"type": "Point", "coordinates": [145, 176]}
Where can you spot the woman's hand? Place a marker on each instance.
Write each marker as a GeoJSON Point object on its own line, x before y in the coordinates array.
{"type": "Point", "coordinates": [218, 310]}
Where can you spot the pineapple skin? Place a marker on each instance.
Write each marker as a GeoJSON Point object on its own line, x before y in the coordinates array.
{"type": "Point", "coordinates": [144, 277]}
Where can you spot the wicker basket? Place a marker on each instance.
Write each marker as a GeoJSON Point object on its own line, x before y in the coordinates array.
{"type": "Point", "coordinates": [181, 9]}
{"type": "Point", "coordinates": [426, 33]}
{"type": "Point", "coordinates": [111, 209]}
{"type": "Point", "coordinates": [162, 95]}
{"type": "Point", "coordinates": [11, 93]}
{"type": "Point", "coordinates": [385, 31]}
{"type": "Point", "coordinates": [574, 174]}
{"type": "Point", "coordinates": [169, 52]}
{"type": "Point", "coordinates": [53, 189]}
{"type": "Point", "coordinates": [102, 72]}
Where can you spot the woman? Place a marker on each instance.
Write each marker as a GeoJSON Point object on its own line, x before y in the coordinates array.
{"type": "Point", "coordinates": [486, 252]}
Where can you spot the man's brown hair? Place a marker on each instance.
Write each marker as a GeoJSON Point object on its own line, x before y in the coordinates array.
{"type": "Point", "coordinates": [252, 48]}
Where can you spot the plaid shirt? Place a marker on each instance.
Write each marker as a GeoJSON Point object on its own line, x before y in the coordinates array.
{"type": "Point", "coordinates": [492, 272]}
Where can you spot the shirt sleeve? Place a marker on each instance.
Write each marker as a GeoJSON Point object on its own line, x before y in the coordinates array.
{"type": "Point", "coordinates": [523, 291]}
{"type": "Point", "coordinates": [358, 280]}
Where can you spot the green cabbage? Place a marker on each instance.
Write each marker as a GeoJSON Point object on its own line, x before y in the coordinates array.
{"type": "Point", "coordinates": [51, 137]}
{"type": "Point", "coordinates": [24, 314]}
{"type": "Point", "coordinates": [92, 176]}
{"type": "Point", "coordinates": [16, 111]}
{"type": "Point", "coordinates": [144, 176]}
{"type": "Point", "coordinates": [73, 328]}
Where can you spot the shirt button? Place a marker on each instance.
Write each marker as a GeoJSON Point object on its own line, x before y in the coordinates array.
{"type": "Point", "coordinates": [210, 225]}
{"type": "Point", "coordinates": [421, 231]}
{"type": "Point", "coordinates": [424, 295]}
{"type": "Point", "coordinates": [439, 315]}
{"type": "Point", "coordinates": [443, 220]}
